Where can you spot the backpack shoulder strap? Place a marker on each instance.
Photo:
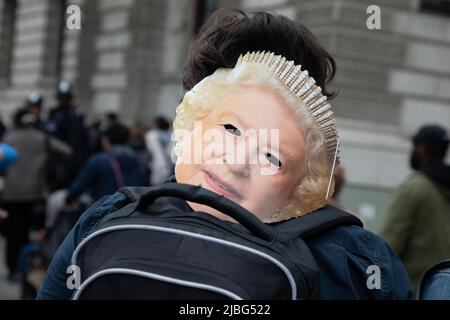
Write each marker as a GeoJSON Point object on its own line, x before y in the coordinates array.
{"type": "Point", "coordinates": [133, 195]}
{"type": "Point", "coordinates": [117, 170]}
{"type": "Point", "coordinates": [328, 217]}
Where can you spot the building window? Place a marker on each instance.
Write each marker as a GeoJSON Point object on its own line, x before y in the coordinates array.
{"type": "Point", "coordinates": [436, 6]}
{"type": "Point", "coordinates": [7, 20]}
{"type": "Point", "coordinates": [54, 42]}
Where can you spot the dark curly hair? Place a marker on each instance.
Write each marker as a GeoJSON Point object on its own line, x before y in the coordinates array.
{"type": "Point", "coordinates": [231, 32]}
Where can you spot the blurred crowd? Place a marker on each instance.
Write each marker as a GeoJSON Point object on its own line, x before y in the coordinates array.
{"type": "Point", "coordinates": [53, 167]}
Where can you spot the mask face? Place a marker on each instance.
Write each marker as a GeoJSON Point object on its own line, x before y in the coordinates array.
{"type": "Point", "coordinates": [250, 148]}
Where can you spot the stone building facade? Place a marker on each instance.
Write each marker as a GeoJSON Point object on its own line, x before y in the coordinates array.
{"type": "Point", "coordinates": [128, 57]}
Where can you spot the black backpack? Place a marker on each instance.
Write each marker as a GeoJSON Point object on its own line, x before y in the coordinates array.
{"type": "Point", "coordinates": [156, 247]}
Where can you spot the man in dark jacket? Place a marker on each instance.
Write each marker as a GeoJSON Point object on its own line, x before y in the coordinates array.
{"type": "Point", "coordinates": [67, 124]}
{"type": "Point", "coordinates": [110, 170]}
{"type": "Point", "coordinates": [34, 105]}
{"type": "Point", "coordinates": [418, 223]}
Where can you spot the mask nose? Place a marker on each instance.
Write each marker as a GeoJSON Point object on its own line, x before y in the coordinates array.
{"type": "Point", "coordinates": [238, 161]}
{"type": "Point", "coordinates": [238, 168]}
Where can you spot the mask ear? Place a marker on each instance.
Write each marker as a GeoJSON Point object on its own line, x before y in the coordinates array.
{"type": "Point", "coordinates": [182, 138]}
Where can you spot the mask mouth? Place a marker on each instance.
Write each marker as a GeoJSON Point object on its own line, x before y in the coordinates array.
{"type": "Point", "coordinates": [221, 186]}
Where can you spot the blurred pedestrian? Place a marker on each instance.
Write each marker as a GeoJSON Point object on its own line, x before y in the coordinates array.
{"type": "Point", "coordinates": [109, 119]}
{"type": "Point", "coordinates": [2, 128]}
{"type": "Point", "coordinates": [66, 123]}
{"type": "Point", "coordinates": [3, 214]}
{"type": "Point", "coordinates": [95, 136]}
{"type": "Point", "coordinates": [418, 222]}
{"type": "Point", "coordinates": [34, 105]}
{"type": "Point", "coordinates": [105, 172]}
{"type": "Point", "coordinates": [98, 128]}
{"type": "Point", "coordinates": [26, 184]}
{"type": "Point", "coordinates": [159, 145]}
{"type": "Point", "coordinates": [137, 143]}
{"type": "Point", "coordinates": [8, 155]}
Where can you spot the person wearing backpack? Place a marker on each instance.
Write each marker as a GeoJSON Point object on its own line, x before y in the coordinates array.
{"type": "Point", "coordinates": [243, 73]}
{"type": "Point", "coordinates": [66, 123]}
{"type": "Point", "coordinates": [107, 171]}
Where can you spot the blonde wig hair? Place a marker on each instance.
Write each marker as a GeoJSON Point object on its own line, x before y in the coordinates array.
{"type": "Point", "coordinates": [310, 193]}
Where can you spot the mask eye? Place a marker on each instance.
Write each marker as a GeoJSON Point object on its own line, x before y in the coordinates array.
{"type": "Point", "coordinates": [273, 160]}
{"type": "Point", "coordinates": [232, 129]}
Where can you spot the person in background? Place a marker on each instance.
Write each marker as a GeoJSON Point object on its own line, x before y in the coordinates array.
{"type": "Point", "coordinates": [105, 172]}
{"type": "Point", "coordinates": [95, 136]}
{"type": "Point", "coordinates": [2, 128]}
{"type": "Point", "coordinates": [3, 214]}
{"type": "Point", "coordinates": [8, 155]}
{"type": "Point", "coordinates": [137, 143]}
{"type": "Point", "coordinates": [34, 105]}
{"type": "Point", "coordinates": [26, 184]}
{"type": "Point", "coordinates": [418, 222]}
{"type": "Point", "coordinates": [67, 124]}
{"type": "Point", "coordinates": [98, 128]}
{"type": "Point", "coordinates": [158, 142]}
{"type": "Point", "coordinates": [109, 119]}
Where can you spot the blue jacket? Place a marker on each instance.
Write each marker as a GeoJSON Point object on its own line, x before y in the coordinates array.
{"type": "Point", "coordinates": [67, 124]}
{"type": "Point", "coordinates": [344, 255]}
{"type": "Point", "coordinates": [97, 176]}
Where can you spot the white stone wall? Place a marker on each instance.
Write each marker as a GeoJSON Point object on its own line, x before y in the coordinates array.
{"type": "Point", "coordinates": [390, 81]}
{"type": "Point", "coordinates": [113, 61]}
{"type": "Point", "coordinates": [70, 63]}
{"type": "Point", "coordinates": [27, 55]}
{"type": "Point", "coordinates": [374, 155]}
{"type": "Point", "coordinates": [111, 44]}
{"type": "Point", "coordinates": [178, 30]}
{"type": "Point", "coordinates": [423, 80]}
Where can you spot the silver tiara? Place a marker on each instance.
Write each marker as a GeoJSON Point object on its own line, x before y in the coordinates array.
{"type": "Point", "coordinates": [304, 87]}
